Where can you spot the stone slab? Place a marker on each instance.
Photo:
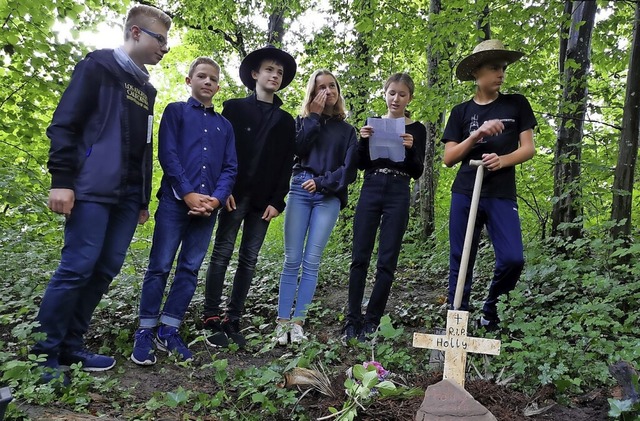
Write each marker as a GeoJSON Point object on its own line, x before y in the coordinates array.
{"type": "Point", "coordinates": [448, 401]}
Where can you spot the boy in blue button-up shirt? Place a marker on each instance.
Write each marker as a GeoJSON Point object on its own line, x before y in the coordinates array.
{"type": "Point", "coordinates": [196, 150]}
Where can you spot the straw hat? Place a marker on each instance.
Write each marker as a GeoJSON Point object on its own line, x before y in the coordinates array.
{"type": "Point", "coordinates": [489, 50]}
{"type": "Point", "coordinates": [269, 52]}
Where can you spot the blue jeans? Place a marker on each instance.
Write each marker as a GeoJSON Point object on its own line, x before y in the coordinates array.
{"type": "Point", "coordinates": [503, 225]}
{"type": "Point", "coordinates": [96, 239]}
{"type": "Point", "coordinates": [383, 204]}
{"type": "Point", "coordinates": [254, 229]}
{"type": "Point", "coordinates": [174, 228]}
{"type": "Point", "coordinates": [309, 216]}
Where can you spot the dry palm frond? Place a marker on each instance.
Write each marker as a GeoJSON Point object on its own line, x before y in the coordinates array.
{"type": "Point", "coordinates": [305, 377]}
{"type": "Point", "coordinates": [533, 409]}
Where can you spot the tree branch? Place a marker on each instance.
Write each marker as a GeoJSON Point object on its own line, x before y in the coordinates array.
{"type": "Point", "coordinates": [13, 93]}
{"type": "Point", "coordinates": [568, 117]}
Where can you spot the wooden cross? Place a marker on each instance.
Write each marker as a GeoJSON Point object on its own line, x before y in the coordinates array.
{"type": "Point", "coordinates": [455, 343]}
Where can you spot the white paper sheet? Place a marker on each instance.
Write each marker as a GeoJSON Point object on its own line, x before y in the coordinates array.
{"type": "Point", "coordinates": [385, 142]}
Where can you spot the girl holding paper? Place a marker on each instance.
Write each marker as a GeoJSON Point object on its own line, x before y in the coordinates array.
{"type": "Point", "coordinates": [326, 163]}
{"type": "Point", "coordinates": [384, 206]}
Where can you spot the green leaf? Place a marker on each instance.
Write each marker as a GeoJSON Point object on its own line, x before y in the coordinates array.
{"type": "Point", "coordinates": [370, 379]}
{"type": "Point", "coordinates": [359, 371]}
{"type": "Point", "coordinates": [386, 387]}
{"type": "Point", "coordinates": [365, 25]}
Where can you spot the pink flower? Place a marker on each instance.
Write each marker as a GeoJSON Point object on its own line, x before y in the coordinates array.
{"type": "Point", "coordinates": [382, 373]}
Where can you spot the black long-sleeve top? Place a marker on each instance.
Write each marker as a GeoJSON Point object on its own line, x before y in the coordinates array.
{"type": "Point", "coordinates": [413, 163]}
{"type": "Point", "coordinates": [327, 148]}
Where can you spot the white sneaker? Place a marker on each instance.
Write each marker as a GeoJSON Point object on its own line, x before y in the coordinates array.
{"type": "Point", "coordinates": [282, 333]}
{"type": "Point", "coordinates": [297, 334]}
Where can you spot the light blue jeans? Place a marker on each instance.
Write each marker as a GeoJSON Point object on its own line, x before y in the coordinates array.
{"type": "Point", "coordinates": [310, 217]}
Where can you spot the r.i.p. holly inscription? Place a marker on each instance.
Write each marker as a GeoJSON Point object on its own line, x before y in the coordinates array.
{"type": "Point", "coordinates": [455, 344]}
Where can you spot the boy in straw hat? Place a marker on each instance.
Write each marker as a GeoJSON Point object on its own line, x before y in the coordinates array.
{"type": "Point", "coordinates": [498, 129]}
{"type": "Point", "coordinates": [265, 140]}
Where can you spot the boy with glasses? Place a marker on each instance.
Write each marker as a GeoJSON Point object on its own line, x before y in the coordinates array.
{"type": "Point", "coordinates": [100, 162]}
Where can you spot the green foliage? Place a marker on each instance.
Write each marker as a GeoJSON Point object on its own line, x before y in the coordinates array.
{"type": "Point", "coordinates": [625, 410]}
{"type": "Point", "coordinates": [569, 318]}
{"type": "Point", "coordinates": [565, 322]}
{"type": "Point", "coordinates": [370, 381]}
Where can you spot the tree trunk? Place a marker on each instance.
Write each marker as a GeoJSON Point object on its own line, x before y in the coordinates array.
{"type": "Point", "coordinates": [360, 69]}
{"type": "Point", "coordinates": [484, 25]}
{"type": "Point", "coordinates": [426, 183]}
{"type": "Point", "coordinates": [564, 35]}
{"type": "Point", "coordinates": [628, 145]}
{"type": "Point", "coordinates": [276, 27]}
{"type": "Point", "coordinates": [567, 188]}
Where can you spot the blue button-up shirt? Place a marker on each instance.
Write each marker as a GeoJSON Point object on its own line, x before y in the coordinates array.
{"type": "Point", "coordinates": [196, 149]}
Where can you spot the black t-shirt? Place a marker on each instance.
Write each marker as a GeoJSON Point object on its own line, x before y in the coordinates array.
{"type": "Point", "coordinates": [517, 116]}
{"type": "Point", "coordinates": [266, 108]}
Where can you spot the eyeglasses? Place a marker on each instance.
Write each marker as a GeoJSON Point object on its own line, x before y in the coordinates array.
{"type": "Point", "coordinates": [161, 39]}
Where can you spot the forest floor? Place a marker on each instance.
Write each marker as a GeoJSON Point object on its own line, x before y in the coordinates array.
{"type": "Point", "coordinates": [143, 383]}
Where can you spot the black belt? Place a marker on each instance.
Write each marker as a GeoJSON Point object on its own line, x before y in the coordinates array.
{"type": "Point", "coordinates": [391, 171]}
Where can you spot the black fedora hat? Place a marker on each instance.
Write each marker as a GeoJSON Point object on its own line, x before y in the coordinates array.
{"type": "Point", "coordinates": [269, 52]}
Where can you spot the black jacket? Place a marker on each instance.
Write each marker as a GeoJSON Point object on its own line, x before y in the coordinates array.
{"type": "Point", "coordinates": [267, 183]}
{"type": "Point", "coordinates": [102, 115]}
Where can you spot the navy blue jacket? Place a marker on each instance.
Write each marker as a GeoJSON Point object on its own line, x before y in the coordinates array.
{"type": "Point", "coordinates": [269, 183]}
{"type": "Point", "coordinates": [103, 114]}
{"type": "Point", "coordinates": [197, 151]}
{"type": "Point", "coordinates": [327, 148]}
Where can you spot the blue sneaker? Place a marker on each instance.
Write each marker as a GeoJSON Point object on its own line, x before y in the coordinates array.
{"type": "Point", "coordinates": [168, 339]}
{"type": "Point", "coordinates": [53, 374]}
{"type": "Point", "coordinates": [89, 360]}
{"type": "Point", "coordinates": [143, 347]}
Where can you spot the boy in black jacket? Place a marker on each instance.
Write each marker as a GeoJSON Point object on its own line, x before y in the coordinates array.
{"type": "Point", "coordinates": [100, 165]}
{"type": "Point", "coordinates": [265, 141]}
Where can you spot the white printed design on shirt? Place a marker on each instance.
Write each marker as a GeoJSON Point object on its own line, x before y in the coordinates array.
{"type": "Point", "coordinates": [475, 125]}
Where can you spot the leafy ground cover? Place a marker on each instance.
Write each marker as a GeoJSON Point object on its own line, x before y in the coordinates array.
{"type": "Point", "coordinates": [565, 323]}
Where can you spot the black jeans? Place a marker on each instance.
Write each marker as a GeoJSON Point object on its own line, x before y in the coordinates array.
{"type": "Point", "coordinates": [254, 229]}
{"type": "Point", "coordinates": [384, 204]}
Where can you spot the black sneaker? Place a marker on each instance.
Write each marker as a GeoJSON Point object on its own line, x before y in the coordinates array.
{"type": "Point", "coordinates": [488, 325]}
{"type": "Point", "coordinates": [368, 333]}
{"type": "Point", "coordinates": [214, 333]}
{"type": "Point", "coordinates": [232, 329]}
{"type": "Point", "coordinates": [349, 332]}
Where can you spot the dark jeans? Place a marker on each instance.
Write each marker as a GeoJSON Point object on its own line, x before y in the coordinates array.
{"type": "Point", "coordinates": [174, 228]}
{"type": "Point", "coordinates": [503, 225]}
{"type": "Point", "coordinates": [254, 229]}
{"type": "Point", "coordinates": [384, 203]}
{"type": "Point", "coordinates": [96, 238]}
